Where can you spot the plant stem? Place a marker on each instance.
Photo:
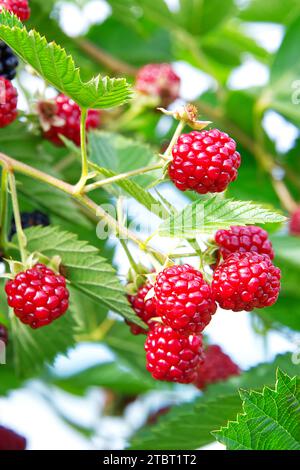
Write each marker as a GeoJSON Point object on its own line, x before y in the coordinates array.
{"type": "Point", "coordinates": [84, 157]}
{"type": "Point", "coordinates": [97, 211]}
{"type": "Point", "coordinates": [3, 209]}
{"type": "Point", "coordinates": [115, 65]}
{"type": "Point", "coordinates": [174, 139]}
{"type": "Point", "coordinates": [122, 176]}
{"type": "Point", "coordinates": [20, 234]}
{"type": "Point", "coordinates": [129, 256]}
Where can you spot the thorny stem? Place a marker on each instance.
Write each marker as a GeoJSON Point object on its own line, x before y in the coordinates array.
{"type": "Point", "coordinates": [122, 176]}
{"type": "Point", "coordinates": [3, 208]}
{"type": "Point", "coordinates": [84, 157]}
{"type": "Point", "coordinates": [20, 234]}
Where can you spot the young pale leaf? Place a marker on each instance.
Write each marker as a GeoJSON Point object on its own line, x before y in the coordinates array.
{"type": "Point", "coordinates": [86, 270]}
{"type": "Point", "coordinates": [195, 421]}
{"type": "Point", "coordinates": [271, 419]}
{"type": "Point", "coordinates": [57, 67]}
{"type": "Point", "coordinates": [206, 216]}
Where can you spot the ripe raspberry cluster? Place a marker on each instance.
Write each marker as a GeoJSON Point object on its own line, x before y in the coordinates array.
{"type": "Point", "coordinates": [245, 281]}
{"type": "Point", "coordinates": [183, 306]}
{"type": "Point", "coordinates": [184, 299]}
{"type": "Point", "coordinates": [158, 80]}
{"type": "Point", "coordinates": [30, 219]}
{"type": "Point", "coordinates": [172, 356]}
{"type": "Point", "coordinates": [9, 440]}
{"type": "Point", "coordinates": [8, 102]}
{"type": "Point", "coordinates": [62, 117]}
{"type": "Point", "coordinates": [38, 296]}
{"type": "Point", "coordinates": [20, 8]}
{"type": "Point", "coordinates": [216, 367]}
{"type": "Point", "coordinates": [243, 239]}
{"type": "Point", "coordinates": [205, 162]}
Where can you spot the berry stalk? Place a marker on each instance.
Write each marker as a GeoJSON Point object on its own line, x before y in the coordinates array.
{"type": "Point", "coordinates": [20, 234]}
{"type": "Point", "coordinates": [84, 157]}
{"type": "Point", "coordinates": [3, 208]}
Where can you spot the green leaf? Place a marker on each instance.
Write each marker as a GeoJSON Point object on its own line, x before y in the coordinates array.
{"type": "Point", "coordinates": [201, 16]}
{"type": "Point", "coordinates": [194, 422]}
{"type": "Point", "coordinates": [113, 375]}
{"type": "Point", "coordinates": [114, 154]}
{"type": "Point", "coordinates": [270, 419]}
{"type": "Point", "coordinates": [86, 270]}
{"type": "Point", "coordinates": [206, 216]}
{"type": "Point", "coordinates": [35, 348]}
{"type": "Point", "coordinates": [57, 67]}
{"type": "Point", "coordinates": [283, 91]}
{"type": "Point", "coordinates": [271, 11]}
{"type": "Point", "coordinates": [131, 44]}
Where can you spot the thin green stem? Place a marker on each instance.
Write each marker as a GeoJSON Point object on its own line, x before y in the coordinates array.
{"type": "Point", "coordinates": [174, 139]}
{"type": "Point", "coordinates": [20, 234]}
{"type": "Point", "coordinates": [129, 256]}
{"type": "Point", "coordinates": [3, 209]}
{"type": "Point", "coordinates": [96, 211]}
{"type": "Point", "coordinates": [84, 157]}
{"type": "Point", "coordinates": [122, 176]}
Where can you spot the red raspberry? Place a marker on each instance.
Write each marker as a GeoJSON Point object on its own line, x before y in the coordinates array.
{"type": "Point", "coordinates": [144, 309]}
{"type": "Point", "coordinates": [171, 356]}
{"type": "Point", "coordinates": [204, 161]}
{"type": "Point", "coordinates": [3, 334]}
{"type": "Point", "coordinates": [9, 440]}
{"type": "Point", "coordinates": [295, 223]}
{"type": "Point", "coordinates": [184, 299]}
{"type": "Point", "coordinates": [8, 102]}
{"type": "Point", "coordinates": [158, 80]}
{"type": "Point", "coordinates": [243, 239]}
{"type": "Point", "coordinates": [18, 7]}
{"type": "Point", "coordinates": [64, 118]}
{"type": "Point", "coordinates": [38, 296]}
{"type": "Point", "coordinates": [245, 281]}
{"type": "Point", "coordinates": [216, 367]}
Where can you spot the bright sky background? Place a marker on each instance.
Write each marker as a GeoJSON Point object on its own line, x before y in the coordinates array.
{"type": "Point", "coordinates": [26, 410]}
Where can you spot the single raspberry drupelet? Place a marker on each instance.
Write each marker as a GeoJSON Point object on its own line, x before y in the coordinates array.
{"type": "Point", "coordinates": [245, 281]}
{"type": "Point", "coordinates": [216, 367]}
{"type": "Point", "coordinates": [30, 219]}
{"type": "Point", "coordinates": [8, 62]}
{"type": "Point", "coordinates": [183, 299]}
{"type": "Point", "coordinates": [8, 102]}
{"type": "Point", "coordinates": [63, 117]}
{"type": "Point", "coordinates": [171, 356]}
{"type": "Point", "coordinates": [18, 7]}
{"type": "Point", "coordinates": [3, 334]}
{"type": "Point", "coordinates": [295, 223]}
{"type": "Point", "coordinates": [205, 162]}
{"type": "Point", "coordinates": [145, 309]}
{"type": "Point", "coordinates": [243, 239]}
{"type": "Point", "coordinates": [9, 440]}
{"type": "Point", "coordinates": [38, 296]}
{"type": "Point", "coordinates": [158, 80]}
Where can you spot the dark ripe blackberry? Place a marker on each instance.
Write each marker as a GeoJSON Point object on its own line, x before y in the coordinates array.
{"type": "Point", "coordinates": [30, 219]}
{"type": "Point", "coordinates": [8, 62]}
